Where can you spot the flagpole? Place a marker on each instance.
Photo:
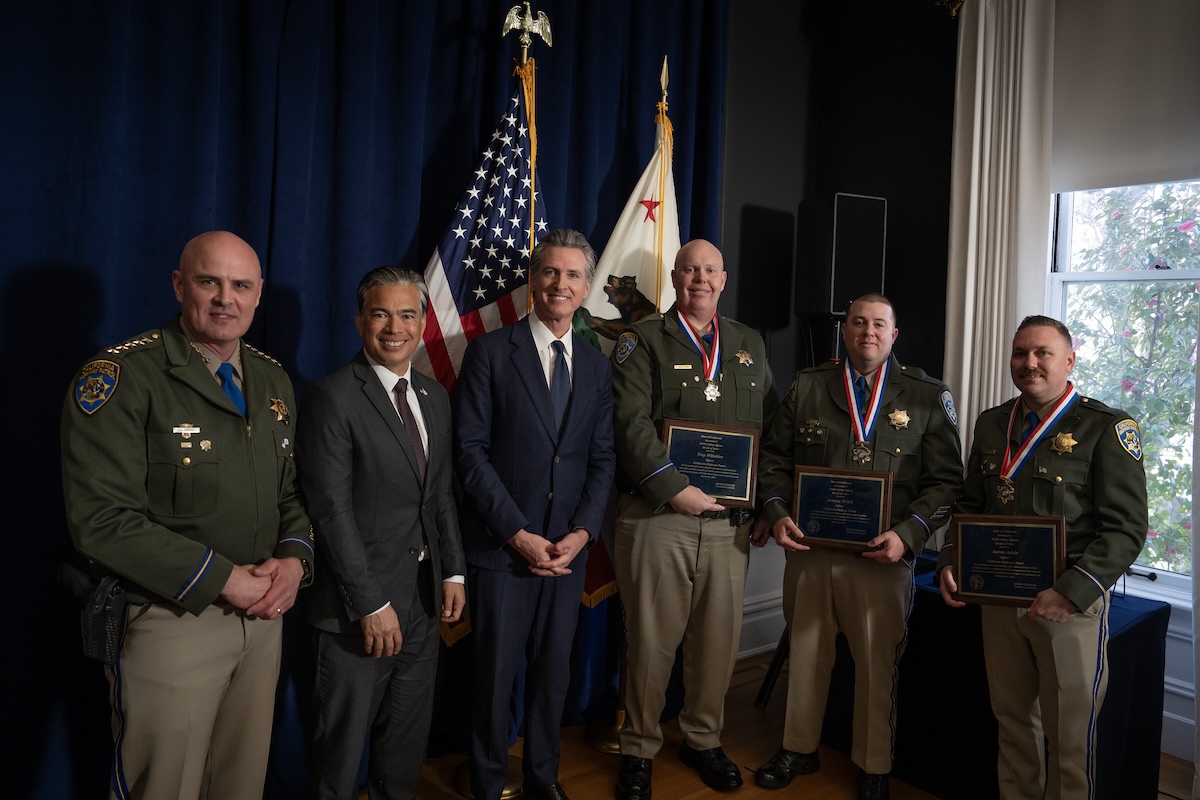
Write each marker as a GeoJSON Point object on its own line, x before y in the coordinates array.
{"type": "Point", "coordinates": [529, 26]}
{"type": "Point", "coordinates": [666, 141]}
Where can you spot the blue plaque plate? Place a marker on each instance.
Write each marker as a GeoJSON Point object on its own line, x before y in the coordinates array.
{"type": "Point", "coordinates": [1007, 560]}
{"type": "Point", "coordinates": [842, 507]}
{"type": "Point", "coordinates": [719, 460]}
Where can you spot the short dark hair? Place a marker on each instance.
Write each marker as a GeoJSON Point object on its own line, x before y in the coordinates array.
{"type": "Point", "coordinates": [564, 237]}
{"type": "Point", "coordinates": [874, 297]}
{"type": "Point", "coordinates": [1040, 321]}
{"type": "Point", "coordinates": [393, 276]}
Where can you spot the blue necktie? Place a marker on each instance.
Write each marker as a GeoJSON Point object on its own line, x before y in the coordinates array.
{"type": "Point", "coordinates": [860, 394]}
{"type": "Point", "coordinates": [560, 384]}
{"type": "Point", "coordinates": [1031, 422]}
{"type": "Point", "coordinates": [225, 373]}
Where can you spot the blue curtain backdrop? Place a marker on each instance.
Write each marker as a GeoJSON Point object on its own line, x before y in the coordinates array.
{"type": "Point", "coordinates": [332, 136]}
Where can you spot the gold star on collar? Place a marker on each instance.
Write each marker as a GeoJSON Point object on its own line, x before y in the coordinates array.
{"type": "Point", "coordinates": [744, 358]}
{"type": "Point", "coordinates": [898, 419]}
{"type": "Point", "coordinates": [1063, 442]}
{"type": "Point", "coordinates": [281, 410]}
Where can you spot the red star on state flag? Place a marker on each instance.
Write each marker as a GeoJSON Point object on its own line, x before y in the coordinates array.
{"type": "Point", "coordinates": [650, 206]}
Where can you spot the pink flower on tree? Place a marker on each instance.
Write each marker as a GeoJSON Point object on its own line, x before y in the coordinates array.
{"type": "Point", "coordinates": [1076, 342]}
{"type": "Point", "coordinates": [1117, 215]}
{"type": "Point", "coordinates": [1126, 385]}
{"type": "Point", "coordinates": [1151, 534]}
{"type": "Point", "coordinates": [1127, 334]}
{"type": "Point", "coordinates": [1188, 226]}
{"type": "Point", "coordinates": [1152, 302]}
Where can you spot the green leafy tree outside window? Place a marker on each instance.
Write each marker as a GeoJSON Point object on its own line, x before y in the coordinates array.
{"type": "Point", "coordinates": [1136, 337]}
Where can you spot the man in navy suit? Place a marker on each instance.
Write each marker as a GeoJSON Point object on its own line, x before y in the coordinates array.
{"type": "Point", "coordinates": [376, 472]}
{"type": "Point", "coordinates": [533, 445]}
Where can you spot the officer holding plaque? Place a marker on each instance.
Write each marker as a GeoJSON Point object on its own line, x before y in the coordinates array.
{"type": "Point", "coordinates": [1051, 453]}
{"type": "Point", "coordinates": [681, 550]}
{"type": "Point", "coordinates": [882, 421]}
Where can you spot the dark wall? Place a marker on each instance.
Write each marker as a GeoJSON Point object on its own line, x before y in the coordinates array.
{"type": "Point", "coordinates": [826, 98]}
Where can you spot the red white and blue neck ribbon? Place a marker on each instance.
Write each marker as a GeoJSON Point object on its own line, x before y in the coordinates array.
{"type": "Point", "coordinates": [863, 423]}
{"type": "Point", "coordinates": [1013, 462]}
{"type": "Point", "coordinates": [711, 364]}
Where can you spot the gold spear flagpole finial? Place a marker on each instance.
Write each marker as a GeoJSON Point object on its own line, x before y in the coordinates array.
{"type": "Point", "coordinates": [527, 25]}
{"type": "Point", "coordinates": [662, 80]}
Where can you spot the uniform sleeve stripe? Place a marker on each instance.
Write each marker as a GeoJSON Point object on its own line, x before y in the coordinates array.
{"type": "Point", "coordinates": [663, 468]}
{"type": "Point", "coordinates": [1090, 577]}
{"type": "Point", "coordinates": [199, 573]}
{"type": "Point", "coordinates": [296, 540]}
{"type": "Point", "coordinates": [775, 499]}
{"type": "Point", "coordinates": [939, 513]}
{"type": "Point", "coordinates": [922, 521]}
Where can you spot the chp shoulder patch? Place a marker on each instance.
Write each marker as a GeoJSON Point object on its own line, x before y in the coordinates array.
{"type": "Point", "coordinates": [97, 382]}
{"type": "Point", "coordinates": [948, 407]}
{"type": "Point", "coordinates": [625, 344]}
{"type": "Point", "coordinates": [1129, 437]}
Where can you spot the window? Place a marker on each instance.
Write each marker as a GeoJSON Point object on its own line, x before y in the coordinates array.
{"type": "Point", "coordinates": [1126, 281]}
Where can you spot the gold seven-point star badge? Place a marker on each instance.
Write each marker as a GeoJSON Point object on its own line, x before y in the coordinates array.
{"type": "Point", "coordinates": [898, 419]}
{"type": "Point", "coordinates": [1063, 442]}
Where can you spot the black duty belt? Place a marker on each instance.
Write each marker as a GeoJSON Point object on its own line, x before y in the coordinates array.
{"type": "Point", "coordinates": [736, 516]}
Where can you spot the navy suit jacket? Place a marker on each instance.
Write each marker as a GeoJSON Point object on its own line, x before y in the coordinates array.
{"type": "Point", "coordinates": [516, 470]}
{"type": "Point", "coordinates": [365, 498]}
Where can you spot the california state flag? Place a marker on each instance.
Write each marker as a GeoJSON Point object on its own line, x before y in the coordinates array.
{"type": "Point", "coordinates": [633, 276]}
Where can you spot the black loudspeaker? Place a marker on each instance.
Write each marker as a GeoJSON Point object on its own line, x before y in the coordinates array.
{"type": "Point", "coordinates": [764, 267]}
{"type": "Point", "coordinates": [840, 252]}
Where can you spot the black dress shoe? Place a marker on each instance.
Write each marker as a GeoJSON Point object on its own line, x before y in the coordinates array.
{"type": "Point", "coordinates": [554, 791]}
{"type": "Point", "coordinates": [872, 787]}
{"type": "Point", "coordinates": [633, 781]}
{"type": "Point", "coordinates": [713, 767]}
{"type": "Point", "coordinates": [785, 765]}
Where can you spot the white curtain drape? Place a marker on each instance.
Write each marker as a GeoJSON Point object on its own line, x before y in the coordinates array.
{"type": "Point", "coordinates": [1000, 194]}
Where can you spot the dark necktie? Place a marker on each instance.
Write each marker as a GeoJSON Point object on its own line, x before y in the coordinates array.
{"type": "Point", "coordinates": [225, 373]}
{"type": "Point", "coordinates": [560, 383]}
{"type": "Point", "coordinates": [860, 394]}
{"type": "Point", "coordinates": [1031, 422]}
{"type": "Point", "coordinates": [410, 426]}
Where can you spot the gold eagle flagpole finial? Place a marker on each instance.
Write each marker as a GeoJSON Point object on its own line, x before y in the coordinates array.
{"type": "Point", "coordinates": [528, 25]}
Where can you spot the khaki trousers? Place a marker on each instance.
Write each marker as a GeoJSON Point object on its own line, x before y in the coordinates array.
{"type": "Point", "coordinates": [1047, 682]}
{"type": "Point", "coordinates": [682, 580]}
{"type": "Point", "coordinates": [827, 590]}
{"type": "Point", "coordinates": [193, 699]}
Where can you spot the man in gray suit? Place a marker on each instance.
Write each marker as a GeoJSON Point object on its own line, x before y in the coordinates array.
{"type": "Point", "coordinates": [376, 473]}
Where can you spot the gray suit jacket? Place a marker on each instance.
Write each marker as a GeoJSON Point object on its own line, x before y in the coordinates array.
{"type": "Point", "coordinates": [366, 501]}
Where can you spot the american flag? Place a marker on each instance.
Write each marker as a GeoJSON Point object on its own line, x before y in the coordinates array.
{"type": "Point", "coordinates": [478, 274]}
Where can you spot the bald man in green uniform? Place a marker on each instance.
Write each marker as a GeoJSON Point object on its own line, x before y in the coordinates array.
{"type": "Point", "coordinates": [866, 413]}
{"type": "Point", "coordinates": [681, 556]}
{"type": "Point", "coordinates": [1047, 663]}
{"type": "Point", "coordinates": [178, 477]}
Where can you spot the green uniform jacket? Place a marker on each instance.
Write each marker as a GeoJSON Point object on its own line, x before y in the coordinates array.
{"type": "Point", "coordinates": [1099, 486]}
{"type": "Point", "coordinates": [657, 374]}
{"type": "Point", "coordinates": [915, 438]}
{"type": "Point", "coordinates": [166, 483]}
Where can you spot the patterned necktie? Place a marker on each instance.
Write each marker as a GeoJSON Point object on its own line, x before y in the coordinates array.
{"type": "Point", "coordinates": [560, 383]}
{"type": "Point", "coordinates": [1031, 422]}
{"type": "Point", "coordinates": [225, 373]}
{"type": "Point", "coordinates": [860, 394]}
{"type": "Point", "coordinates": [410, 425]}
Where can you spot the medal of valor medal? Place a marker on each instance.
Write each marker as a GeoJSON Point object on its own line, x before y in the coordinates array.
{"type": "Point", "coordinates": [1006, 492]}
{"type": "Point", "coordinates": [711, 392]}
{"type": "Point", "coordinates": [861, 452]}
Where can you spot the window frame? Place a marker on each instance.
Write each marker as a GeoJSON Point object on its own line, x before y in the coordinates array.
{"type": "Point", "coordinates": [1140, 581]}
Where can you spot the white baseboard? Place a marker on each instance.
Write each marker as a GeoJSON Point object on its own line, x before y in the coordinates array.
{"type": "Point", "coordinates": [762, 624]}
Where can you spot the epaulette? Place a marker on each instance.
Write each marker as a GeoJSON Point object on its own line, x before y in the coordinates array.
{"type": "Point", "coordinates": [150, 337]}
{"type": "Point", "coordinates": [920, 374]}
{"type": "Point", "coordinates": [1096, 405]}
{"type": "Point", "coordinates": [261, 354]}
{"type": "Point", "coordinates": [833, 363]}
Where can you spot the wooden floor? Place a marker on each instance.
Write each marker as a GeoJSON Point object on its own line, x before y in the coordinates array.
{"type": "Point", "coordinates": [751, 737]}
